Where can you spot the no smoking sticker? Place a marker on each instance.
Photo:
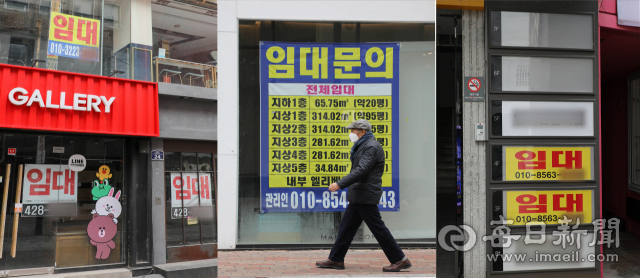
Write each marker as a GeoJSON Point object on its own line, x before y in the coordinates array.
{"type": "Point", "coordinates": [474, 84]}
{"type": "Point", "coordinates": [473, 89]}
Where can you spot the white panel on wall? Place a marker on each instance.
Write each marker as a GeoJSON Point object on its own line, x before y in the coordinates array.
{"type": "Point", "coordinates": [549, 256]}
{"type": "Point", "coordinates": [545, 118]}
{"type": "Point", "coordinates": [545, 30]}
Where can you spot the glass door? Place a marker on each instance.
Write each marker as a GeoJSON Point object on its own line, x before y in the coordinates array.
{"type": "Point", "coordinates": [26, 237]}
{"type": "Point", "coordinates": [191, 206]}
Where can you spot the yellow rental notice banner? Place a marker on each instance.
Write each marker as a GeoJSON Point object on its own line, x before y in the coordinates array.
{"type": "Point", "coordinates": [548, 207]}
{"type": "Point", "coordinates": [567, 163]}
{"type": "Point", "coordinates": [74, 37]}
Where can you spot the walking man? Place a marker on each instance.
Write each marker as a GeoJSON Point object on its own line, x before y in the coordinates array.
{"type": "Point", "coordinates": [365, 189]}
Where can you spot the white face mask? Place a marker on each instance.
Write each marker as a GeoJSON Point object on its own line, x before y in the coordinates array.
{"type": "Point", "coordinates": [354, 137]}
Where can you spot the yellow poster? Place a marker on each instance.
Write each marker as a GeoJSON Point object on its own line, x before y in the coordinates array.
{"type": "Point", "coordinates": [547, 163]}
{"type": "Point", "coordinates": [548, 207]}
{"type": "Point", "coordinates": [74, 37]}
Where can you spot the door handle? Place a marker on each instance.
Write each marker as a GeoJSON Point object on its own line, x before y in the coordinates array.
{"type": "Point", "coordinates": [16, 216]}
{"type": "Point", "coordinates": [5, 197]}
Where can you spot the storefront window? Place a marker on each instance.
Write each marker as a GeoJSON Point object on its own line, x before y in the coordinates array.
{"type": "Point", "coordinates": [416, 135]}
{"type": "Point", "coordinates": [80, 36]}
{"type": "Point", "coordinates": [185, 43]}
{"type": "Point", "coordinates": [72, 195]}
{"type": "Point", "coordinates": [190, 195]}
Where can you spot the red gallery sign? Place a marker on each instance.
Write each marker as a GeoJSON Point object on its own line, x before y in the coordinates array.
{"type": "Point", "coordinates": [38, 99]}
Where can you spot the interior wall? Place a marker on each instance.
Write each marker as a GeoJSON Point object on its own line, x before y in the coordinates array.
{"type": "Point", "coordinates": [614, 144]}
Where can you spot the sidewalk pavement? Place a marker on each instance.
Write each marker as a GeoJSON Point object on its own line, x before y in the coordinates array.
{"type": "Point", "coordinates": [295, 263]}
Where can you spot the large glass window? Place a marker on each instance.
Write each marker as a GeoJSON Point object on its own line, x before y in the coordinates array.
{"type": "Point", "coordinates": [72, 208]}
{"type": "Point", "coordinates": [69, 35]}
{"type": "Point", "coordinates": [185, 43]}
{"type": "Point", "coordinates": [416, 153]}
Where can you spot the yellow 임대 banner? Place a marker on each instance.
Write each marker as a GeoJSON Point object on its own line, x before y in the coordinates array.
{"type": "Point", "coordinates": [549, 207]}
{"type": "Point", "coordinates": [74, 30]}
{"type": "Point", "coordinates": [547, 163]}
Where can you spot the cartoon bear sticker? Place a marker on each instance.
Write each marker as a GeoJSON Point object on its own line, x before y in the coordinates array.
{"type": "Point", "coordinates": [101, 231]}
{"type": "Point", "coordinates": [109, 205]}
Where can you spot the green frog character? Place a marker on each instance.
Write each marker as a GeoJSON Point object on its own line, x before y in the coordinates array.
{"type": "Point", "coordinates": [100, 189]}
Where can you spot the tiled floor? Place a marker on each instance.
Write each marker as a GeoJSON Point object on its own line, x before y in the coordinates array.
{"type": "Point", "coordinates": [359, 263]}
{"type": "Point", "coordinates": [628, 264]}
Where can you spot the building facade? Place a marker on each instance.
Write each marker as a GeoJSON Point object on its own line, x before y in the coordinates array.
{"type": "Point", "coordinates": [276, 170]}
{"type": "Point", "coordinates": [539, 122]}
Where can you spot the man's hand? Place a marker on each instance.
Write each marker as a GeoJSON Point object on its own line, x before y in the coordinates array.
{"type": "Point", "coordinates": [334, 187]}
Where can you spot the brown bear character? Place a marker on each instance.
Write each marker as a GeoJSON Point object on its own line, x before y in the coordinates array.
{"type": "Point", "coordinates": [101, 231]}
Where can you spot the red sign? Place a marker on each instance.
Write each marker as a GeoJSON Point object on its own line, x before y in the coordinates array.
{"type": "Point", "coordinates": [11, 151]}
{"type": "Point", "coordinates": [474, 85]}
{"type": "Point", "coordinates": [39, 99]}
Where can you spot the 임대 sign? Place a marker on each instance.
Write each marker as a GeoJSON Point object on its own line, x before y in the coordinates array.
{"type": "Point", "coordinates": [548, 207]}
{"type": "Point", "coordinates": [567, 163]}
{"type": "Point", "coordinates": [49, 183]}
{"type": "Point", "coordinates": [74, 37]}
{"type": "Point", "coordinates": [309, 93]}
{"type": "Point", "coordinates": [189, 191]}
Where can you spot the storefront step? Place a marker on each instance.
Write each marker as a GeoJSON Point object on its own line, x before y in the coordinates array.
{"type": "Point", "coordinates": [201, 268]}
{"type": "Point", "coordinates": [105, 273]}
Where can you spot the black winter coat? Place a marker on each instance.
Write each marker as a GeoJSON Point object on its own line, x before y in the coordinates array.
{"type": "Point", "coordinates": [365, 179]}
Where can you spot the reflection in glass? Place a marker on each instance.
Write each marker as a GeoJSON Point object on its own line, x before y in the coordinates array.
{"type": "Point", "coordinates": [205, 162]}
{"type": "Point", "coordinates": [544, 30]}
{"type": "Point", "coordinates": [172, 161]}
{"type": "Point", "coordinates": [24, 35]}
{"type": "Point", "coordinates": [189, 162]}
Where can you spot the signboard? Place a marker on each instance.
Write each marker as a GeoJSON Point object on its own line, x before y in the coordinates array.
{"type": "Point", "coordinates": [11, 151]}
{"type": "Point", "coordinates": [188, 191]}
{"type": "Point", "coordinates": [549, 254]}
{"type": "Point", "coordinates": [79, 103]}
{"type": "Point", "coordinates": [542, 118]}
{"type": "Point", "coordinates": [77, 163]}
{"type": "Point", "coordinates": [49, 190]}
{"type": "Point", "coordinates": [74, 37]}
{"type": "Point", "coordinates": [309, 93]}
{"type": "Point", "coordinates": [157, 155]}
{"type": "Point", "coordinates": [539, 206]}
{"type": "Point", "coordinates": [473, 89]}
{"type": "Point", "coordinates": [566, 163]}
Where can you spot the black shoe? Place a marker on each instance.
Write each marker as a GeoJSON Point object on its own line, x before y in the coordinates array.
{"type": "Point", "coordinates": [330, 264]}
{"type": "Point", "coordinates": [397, 266]}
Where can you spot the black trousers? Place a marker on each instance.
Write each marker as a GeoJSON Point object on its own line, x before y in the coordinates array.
{"type": "Point", "coordinates": [351, 221]}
